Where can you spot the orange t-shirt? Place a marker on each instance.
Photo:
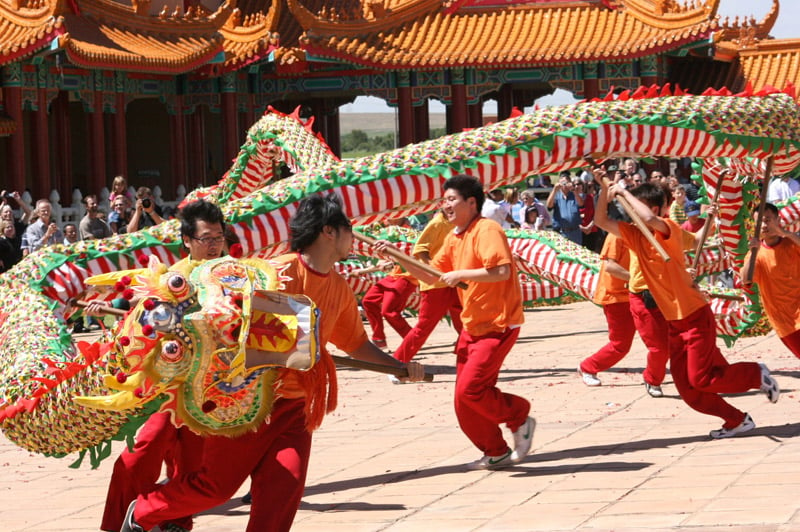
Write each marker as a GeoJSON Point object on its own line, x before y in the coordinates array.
{"type": "Point", "coordinates": [431, 239]}
{"type": "Point", "coordinates": [668, 281]}
{"type": "Point", "coordinates": [777, 273]}
{"type": "Point", "coordinates": [612, 289]}
{"type": "Point", "coordinates": [339, 323]}
{"type": "Point", "coordinates": [488, 307]}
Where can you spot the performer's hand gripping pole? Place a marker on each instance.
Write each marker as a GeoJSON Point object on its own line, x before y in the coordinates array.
{"type": "Point", "coordinates": [402, 257]}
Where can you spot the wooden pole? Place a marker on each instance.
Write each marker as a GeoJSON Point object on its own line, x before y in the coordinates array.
{"type": "Point", "coordinates": [761, 208]}
{"type": "Point", "coordinates": [106, 309]}
{"type": "Point", "coordinates": [380, 368]}
{"type": "Point", "coordinates": [709, 221]}
{"type": "Point", "coordinates": [397, 254]}
{"type": "Point", "coordinates": [634, 216]}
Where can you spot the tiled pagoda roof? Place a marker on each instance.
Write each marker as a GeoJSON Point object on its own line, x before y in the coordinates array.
{"type": "Point", "coordinates": [425, 34]}
{"type": "Point", "coordinates": [26, 30]}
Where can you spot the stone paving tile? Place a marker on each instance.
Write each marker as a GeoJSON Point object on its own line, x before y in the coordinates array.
{"type": "Point", "coordinates": [392, 458]}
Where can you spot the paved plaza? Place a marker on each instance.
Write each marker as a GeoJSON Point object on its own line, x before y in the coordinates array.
{"type": "Point", "coordinates": [391, 458]}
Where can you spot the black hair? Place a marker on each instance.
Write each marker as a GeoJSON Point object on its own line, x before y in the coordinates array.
{"type": "Point", "coordinates": [314, 213]}
{"type": "Point", "coordinates": [201, 210]}
{"type": "Point", "coordinates": [650, 194]}
{"type": "Point", "coordinates": [771, 208]}
{"type": "Point", "coordinates": [467, 187]}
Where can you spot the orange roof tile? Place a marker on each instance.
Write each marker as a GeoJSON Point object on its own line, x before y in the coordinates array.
{"type": "Point", "coordinates": [774, 62]}
{"type": "Point", "coordinates": [107, 34]}
{"type": "Point", "coordinates": [423, 36]}
{"type": "Point", "coordinates": [249, 37]}
{"type": "Point", "coordinates": [26, 30]}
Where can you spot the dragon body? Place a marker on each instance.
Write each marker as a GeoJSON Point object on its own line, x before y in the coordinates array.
{"type": "Point", "coordinates": [41, 369]}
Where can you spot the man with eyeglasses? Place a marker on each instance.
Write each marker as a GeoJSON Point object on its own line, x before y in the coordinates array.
{"type": "Point", "coordinates": [203, 235]}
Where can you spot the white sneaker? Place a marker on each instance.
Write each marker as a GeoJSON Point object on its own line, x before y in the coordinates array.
{"type": "Point", "coordinates": [745, 426]}
{"type": "Point", "coordinates": [769, 385]}
{"type": "Point", "coordinates": [394, 380]}
{"type": "Point", "coordinates": [523, 438]}
{"type": "Point", "coordinates": [491, 462]}
{"type": "Point", "coordinates": [653, 390]}
{"type": "Point", "coordinates": [589, 379]}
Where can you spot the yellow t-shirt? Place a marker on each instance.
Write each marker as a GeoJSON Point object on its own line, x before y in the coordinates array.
{"type": "Point", "coordinates": [431, 239]}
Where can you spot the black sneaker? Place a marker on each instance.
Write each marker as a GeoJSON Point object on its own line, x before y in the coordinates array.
{"type": "Point", "coordinates": [129, 524]}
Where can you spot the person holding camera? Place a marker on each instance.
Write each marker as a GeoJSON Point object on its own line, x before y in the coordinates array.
{"type": "Point", "coordinates": [42, 232]}
{"type": "Point", "coordinates": [147, 213]}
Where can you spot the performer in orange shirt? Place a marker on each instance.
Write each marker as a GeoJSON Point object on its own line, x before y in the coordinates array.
{"type": "Point", "coordinates": [436, 299]}
{"type": "Point", "coordinates": [612, 295]}
{"type": "Point", "coordinates": [777, 274]}
{"type": "Point", "coordinates": [699, 369]}
{"type": "Point", "coordinates": [476, 252]}
{"type": "Point", "coordinates": [276, 455]}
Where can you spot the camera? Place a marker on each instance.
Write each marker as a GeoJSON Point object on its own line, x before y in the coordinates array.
{"type": "Point", "coordinates": [146, 203]}
{"type": "Point", "coordinates": [8, 195]}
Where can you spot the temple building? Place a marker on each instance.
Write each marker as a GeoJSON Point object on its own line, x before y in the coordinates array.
{"type": "Point", "coordinates": [163, 93]}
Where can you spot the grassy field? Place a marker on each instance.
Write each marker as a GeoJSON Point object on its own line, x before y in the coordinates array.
{"type": "Point", "coordinates": [378, 123]}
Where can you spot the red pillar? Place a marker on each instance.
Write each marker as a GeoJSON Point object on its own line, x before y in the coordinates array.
{"type": "Point", "coordinates": [505, 102]}
{"type": "Point", "coordinates": [230, 126]}
{"type": "Point", "coordinates": [177, 123]}
{"type": "Point", "coordinates": [459, 114]}
{"type": "Point", "coordinates": [120, 155]}
{"type": "Point", "coordinates": [63, 144]}
{"type": "Point", "coordinates": [422, 122]}
{"type": "Point", "coordinates": [196, 150]}
{"type": "Point", "coordinates": [98, 142]}
{"type": "Point", "coordinates": [16, 142]}
{"type": "Point", "coordinates": [40, 162]}
{"type": "Point", "coordinates": [405, 115]}
{"type": "Point", "coordinates": [334, 138]}
{"type": "Point", "coordinates": [591, 88]}
{"type": "Point", "coordinates": [475, 111]}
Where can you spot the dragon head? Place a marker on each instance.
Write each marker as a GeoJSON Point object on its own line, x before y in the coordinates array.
{"type": "Point", "coordinates": [186, 339]}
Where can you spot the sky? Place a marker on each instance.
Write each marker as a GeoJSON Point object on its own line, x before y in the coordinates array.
{"type": "Point", "coordinates": [788, 15]}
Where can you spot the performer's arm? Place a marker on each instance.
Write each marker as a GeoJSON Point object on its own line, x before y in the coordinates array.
{"type": "Point", "coordinates": [615, 269]}
{"type": "Point", "coordinates": [369, 352]}
{"type": "Point", "coordinates": [478, 275]}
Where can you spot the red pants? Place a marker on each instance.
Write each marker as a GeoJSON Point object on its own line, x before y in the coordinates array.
{"type": "Point", "coordinates": [480, 406]}
{"type": "Point", "coordinates": [653, 330]}
{"type": "Point", "coordinates": [137, 472]}
{"type": "Point", "coordinates": [433, 306]}
{"type": "Point", "coordinates": [387, 299]}
{"type": "Point", "coordinates": [620, 338]}
{"type": "Point", "coordinates": [275, 455]}
{"type": "Point", "coordinates": [700, 370]}
{"type": "Point", "coordinates": [792, 341]}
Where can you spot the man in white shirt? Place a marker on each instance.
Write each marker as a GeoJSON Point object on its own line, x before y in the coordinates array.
{"type": "Point", "coordinates": [781, 189]}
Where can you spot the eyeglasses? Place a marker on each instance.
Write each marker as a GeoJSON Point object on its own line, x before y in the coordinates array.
{"type": "Point", "coordinates": [207, 240]}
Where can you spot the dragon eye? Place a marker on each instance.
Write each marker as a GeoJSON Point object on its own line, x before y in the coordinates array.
{"type": "Point", "coordinates": [178, 285]}
{"type": "Point", "coordinates": [172, 351]}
